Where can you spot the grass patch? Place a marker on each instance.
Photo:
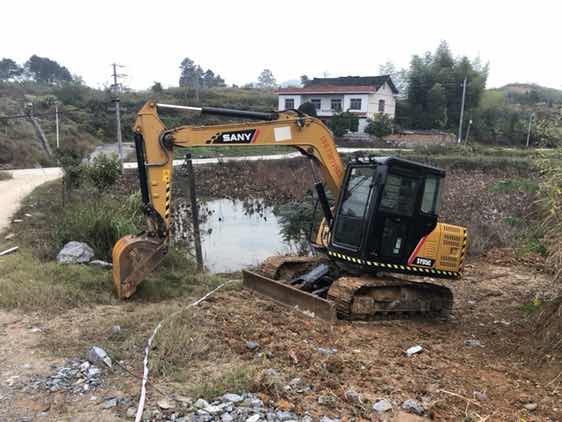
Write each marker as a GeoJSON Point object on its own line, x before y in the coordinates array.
{"type": "Point", "coordinates": [514, 185]}
{"type": "Point", "coordinates": [536, 246]}
{"type": "Point", "coordinates": [237, 380]}
{"type": "Point", "coordinates": [29, 284]}
{"type": "Point", "coordinates": [532, 307]}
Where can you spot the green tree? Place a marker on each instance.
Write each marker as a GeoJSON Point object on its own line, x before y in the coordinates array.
{"type": "Point", "coordinates": [304, 80]}
{"type": "Point", "coordinates": [46, 71]}
{"type": "Point", "coordinates": [9, 69]}
{"type": "Point", "coordinates": [435, 88]}
{"type": "Point", "coordinates": [380, 126]}
{"type": "Point", "coordinates": [266, 80]}
{"type": "Point", "coordinates": [342, 123]}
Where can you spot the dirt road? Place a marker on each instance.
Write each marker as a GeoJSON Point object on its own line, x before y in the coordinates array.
{"type": "Point", "coordinates": [12, 191]}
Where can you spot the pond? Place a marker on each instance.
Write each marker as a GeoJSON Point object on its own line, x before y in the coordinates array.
{"type": "Point", "coordinates": [237, 235]}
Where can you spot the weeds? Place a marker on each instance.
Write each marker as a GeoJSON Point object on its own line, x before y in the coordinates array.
{"type": "Point", "coordinates": [515, 185]}
{"type": "Point", "coordinates": [100, 224]}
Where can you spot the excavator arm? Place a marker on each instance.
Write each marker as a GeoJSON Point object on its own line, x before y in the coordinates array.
{"type": "Point", "coordinates": [135, 256]}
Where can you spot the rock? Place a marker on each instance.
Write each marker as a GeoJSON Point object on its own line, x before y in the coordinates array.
{"type": "Point", "coordinates": [252, 345]}
{"type": "Point", "coordinates": [531, 406]}
{"type": "Point", "coordinates": [93, 371]}
{"type": "Point", "coordinates": [327, 419]}
{"type": "Point", "coordinates": [472, 343]}
{"type": "Point", "coordinates": [413, 350]}
{"type": "Point", "coordinates": [185, 401]}
{"type": "Point", "coordinates": [253, 418]}
{"type": "Point", "coordinates": [480, 396]}
{"type": "Point", "coordinates": [85, 366]}
{"type": "Point", "coordinates": [131, 412]}
{"type": "Point", "coordinates": [75, 253]}
{"type": "Point", "coordinates": [214, 410]}
{"type": "Point", "coordinates": [232, 398]}
{"type": "Point", "coordinates": [97, 354]}
{"type": "Point", "coordinates": [382, 406]}
{"type": "Point", "coordinates": [109, 403]}
{"type": "Point", "coordinates": [100, 263]}
{"type": "Point", "coordinates": [326, 351]}
{"type": "Point", "coordinates": [353, 395]}
{"type": "Point", "coordinates": [326, 400]}
{"type": "Point", "coordinates": [116, 329]}
{"type": "Point", "coordinates": [226, 417]}
{"type": "Point", "coordinates": [165, 404]}
{"type": "Point", "coordinates": [10, 236]}
{"type": "Point", "coordinates": [201, 404]}
{"type": "Point", "coordinates": [413, 406]}
{"type": "Point", "coordinates": [285, 416]}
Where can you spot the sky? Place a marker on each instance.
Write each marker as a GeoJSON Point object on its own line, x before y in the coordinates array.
{"type": "Point", "coordinates": [238, 39]}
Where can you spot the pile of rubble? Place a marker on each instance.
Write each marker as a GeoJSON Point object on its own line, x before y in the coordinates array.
{"type": "Point", "coordinates": [246, 407]}
{"type": "Point", "coordinates": [74, 377]}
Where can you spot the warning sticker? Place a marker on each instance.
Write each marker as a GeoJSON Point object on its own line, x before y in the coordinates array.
{"type": "Point", "coordinates": [282, 133]}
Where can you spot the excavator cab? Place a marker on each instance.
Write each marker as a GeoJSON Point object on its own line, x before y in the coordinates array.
{"type": "Point", "coordinates": [386, 207]}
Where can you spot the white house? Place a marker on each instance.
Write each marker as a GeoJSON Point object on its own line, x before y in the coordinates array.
{"type": "Point", "coordinates": [364, 96]}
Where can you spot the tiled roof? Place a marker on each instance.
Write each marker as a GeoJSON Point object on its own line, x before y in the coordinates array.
{"type": "Point", "coordinates": [377, 81]}
{"type": "Point", "coordinates": [328, 89]}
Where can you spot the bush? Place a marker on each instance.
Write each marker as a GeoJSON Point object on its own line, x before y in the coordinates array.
{"type": "Point", "coordinates": [104, 171]}
{"type": "Point", "coordinates": [380, 126]}
{"type": "Point", "coordinates": [73, 170]}
{"type": "Point", "coordinates": [100, 224]}
{"type": "Point", "coordinates": [344, 122]}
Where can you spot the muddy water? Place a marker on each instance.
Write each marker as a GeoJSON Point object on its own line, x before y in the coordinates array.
{"type": "Point", "coordinates": [238, 235]}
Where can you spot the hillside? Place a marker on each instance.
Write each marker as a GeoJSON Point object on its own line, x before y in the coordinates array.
{"type": "Point", "coordinates": [531, 94]}
{"type": "Point", "coordinates": [87, 117]}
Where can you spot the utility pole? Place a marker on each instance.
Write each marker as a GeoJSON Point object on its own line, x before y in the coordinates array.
{"type": "Point", "coordinates": [468, 132]}
{"type": "Point", "coordinates": [194, 211]}
{"type": "Point", "coordinates": [462, 108]}
{"type": "Point", "coordinates": [529, 129]}
{"type": "Point", "coordinates": [57, 123]}
{"type": "Point", "coordinates": [116, 100]}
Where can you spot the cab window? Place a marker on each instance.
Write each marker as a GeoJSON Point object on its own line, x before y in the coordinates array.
{"type": "Point", "coordinates": [399, 195]}
{"type": "Point", "coordinates": [430, 199]}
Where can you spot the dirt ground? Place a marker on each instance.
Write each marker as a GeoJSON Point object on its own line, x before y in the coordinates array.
{"type": "Point", "coordinates": [454, 381]}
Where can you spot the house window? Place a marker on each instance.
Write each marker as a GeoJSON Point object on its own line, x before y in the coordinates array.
{"type": "Point", "coordinates": [336, 104]}
{"type": "Point", "coordinates": [355, 104]}
{"type": "Point", "coordinates": [316, 103]}
{"type": "Point", "coordinates": [289, 103]}
{"type": "Point", "coordinates": [381, 106]}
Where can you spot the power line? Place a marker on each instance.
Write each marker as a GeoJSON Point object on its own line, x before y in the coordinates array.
{"type": "Point", "coordinates": [27, 116]}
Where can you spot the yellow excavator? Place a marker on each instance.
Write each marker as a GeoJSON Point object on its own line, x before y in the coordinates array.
{"type": "Point", "coordinates": [382, 228]}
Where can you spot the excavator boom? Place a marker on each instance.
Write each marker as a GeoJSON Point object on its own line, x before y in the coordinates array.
{"type": "Point", "coordinates": [135, 256]}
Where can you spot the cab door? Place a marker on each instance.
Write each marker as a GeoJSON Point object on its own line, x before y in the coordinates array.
{"type": "Point", "coordinates": [397, 224]}
{"type": "Point", "coordinates": [353, 207]}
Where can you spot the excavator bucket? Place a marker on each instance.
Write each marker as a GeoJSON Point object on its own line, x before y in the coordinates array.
{"type": "Point", "coordinates": [284, 294]}
{"type": "Point", "coordinates": [133, 258]}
